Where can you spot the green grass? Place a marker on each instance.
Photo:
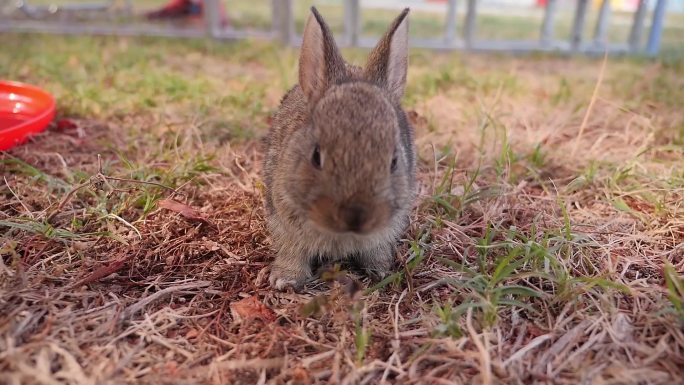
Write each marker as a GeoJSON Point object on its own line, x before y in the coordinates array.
{"type": "Point", "coordinates": [675, 289]}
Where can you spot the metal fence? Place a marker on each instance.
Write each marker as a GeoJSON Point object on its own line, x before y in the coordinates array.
{"type": "Point", "coordinates": [454, 37]}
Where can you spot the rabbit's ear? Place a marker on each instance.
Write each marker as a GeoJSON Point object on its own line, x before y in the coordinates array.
{"type": "Point", "coordinates": [388, 62]}
{"type": "Point", "coordinates": [320, 63]}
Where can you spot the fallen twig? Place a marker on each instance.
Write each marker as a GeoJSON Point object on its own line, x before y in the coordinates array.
{"type": "Point", "coordinates": [136, 307]}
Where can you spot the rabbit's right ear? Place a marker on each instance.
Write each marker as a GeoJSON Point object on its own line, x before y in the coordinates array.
{"type": "Point", "coordinates": [320, 62]}
{"type": "Point", "coordinates": [388, 61]}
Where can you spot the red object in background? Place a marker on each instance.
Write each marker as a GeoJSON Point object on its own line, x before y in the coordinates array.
{"type": "Point", "coordinates": [177, 8]}
{"type": "Point", "coordinates": [24, 110]}
{"type": "Point", "coordinates": [66, 124]}
{"type": "Point", "coordinates": [180, 9]}
{"type": "Point", "coordinates": [541, 3]}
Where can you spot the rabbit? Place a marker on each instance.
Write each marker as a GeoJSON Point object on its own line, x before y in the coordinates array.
{"type": "Point", "coordinates": [340, 171]}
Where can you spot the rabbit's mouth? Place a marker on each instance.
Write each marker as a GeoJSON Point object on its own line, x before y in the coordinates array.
{"type": "Point", "coordinates": [351, 217]}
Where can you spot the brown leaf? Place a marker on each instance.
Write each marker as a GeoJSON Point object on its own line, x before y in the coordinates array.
{"type": "Point", "coordinates": [192, 333]}
{"type": "Point", "coordinates": [639, 205]}
{"type": "Point", "coordinates": [171, 368]}
{"type": "Point", "coordinates": [186, 211]}
{"type": "Point", "coordinates": [416, 119]}
{"type": "Point", "coordinates": [301, 375]}
{"type": "Point", "coordinates": [251, 308]}
{"type": "Point", "coordinates": [103, 271]}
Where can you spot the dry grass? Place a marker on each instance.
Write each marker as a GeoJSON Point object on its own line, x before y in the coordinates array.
{"type": "Point", "coordinates": [524, 263]}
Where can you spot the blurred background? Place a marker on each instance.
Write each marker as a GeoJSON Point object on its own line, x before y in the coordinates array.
{"type": "Point", "coordinates": [489, 25]}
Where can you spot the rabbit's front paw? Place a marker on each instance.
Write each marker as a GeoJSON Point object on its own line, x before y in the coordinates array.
{"type": "Point", "coordinates": [282, 278]}
{"type": "Point", "coordinates": [378, 263]}
{"type": "Point", "coordinates": [377, 275]}
{"type": "Point", "coordinates": [280, 283]}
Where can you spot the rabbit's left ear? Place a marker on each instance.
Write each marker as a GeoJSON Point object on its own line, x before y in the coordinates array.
{"type": "Point", "coordinates": [320, 62]}
{"type": "Point", "coordinates": [388, 62]}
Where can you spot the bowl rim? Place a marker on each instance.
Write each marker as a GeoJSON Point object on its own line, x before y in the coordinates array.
{"type": "Point", "coordinates": [46, 114]}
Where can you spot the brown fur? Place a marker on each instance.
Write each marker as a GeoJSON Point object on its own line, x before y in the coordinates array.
{"type": "Point", "coordinates": [353, 204]}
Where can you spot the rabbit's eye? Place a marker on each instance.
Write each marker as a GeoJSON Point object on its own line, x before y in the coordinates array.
{"type": "Point", "coordinates": [316, 157]}
{"type": "Point", "coordinates": [393, 165]}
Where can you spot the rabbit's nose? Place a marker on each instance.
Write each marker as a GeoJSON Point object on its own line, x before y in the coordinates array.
{"type": "Point", "coordinates": [354, 217]}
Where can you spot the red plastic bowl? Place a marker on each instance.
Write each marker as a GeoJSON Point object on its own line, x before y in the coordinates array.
{"type": "Point", "coordinates": [24, 110]}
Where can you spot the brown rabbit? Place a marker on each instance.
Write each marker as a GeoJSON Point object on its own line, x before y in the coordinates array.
{"type": "Point", "coordinates": [340, 166]}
